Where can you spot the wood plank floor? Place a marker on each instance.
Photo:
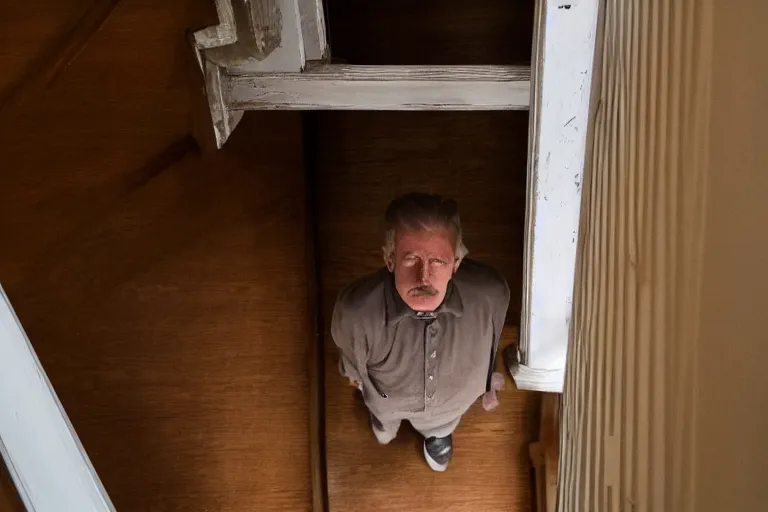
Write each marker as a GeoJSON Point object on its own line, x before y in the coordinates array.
{"type": "Point", "coordinates": [363, 160]}
{"type": "Point", "coordinates": [9, 498]}
{"type": "Point", "coordinates": [165, 291]}
{"type": "Point", "coordinates": [174, 328]}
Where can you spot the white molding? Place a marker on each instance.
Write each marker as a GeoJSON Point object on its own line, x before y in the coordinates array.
{"type": "Point", "coordinates": [344, 87]}
{"type": "Point", "coordinates": [532, 379]}
{"type": "Point", "coordinates": [47, 463]}
{"type": "Point", "coordinates": [561, 81]}
{"type": "Point", "coordinates": [312, 18]}
{"type": "Point", "coordinates": [256, 35]}
{"type": "Point", "coordinates": [222, 34]}
{"type": "Point", "coordinates": [224, 119]}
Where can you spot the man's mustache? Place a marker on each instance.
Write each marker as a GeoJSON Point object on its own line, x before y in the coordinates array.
{"type": "Point", "coordinates": [423, 290]}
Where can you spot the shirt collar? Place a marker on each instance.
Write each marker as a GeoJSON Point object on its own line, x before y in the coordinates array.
{"type": "Point", "coordinates": [397, 309]}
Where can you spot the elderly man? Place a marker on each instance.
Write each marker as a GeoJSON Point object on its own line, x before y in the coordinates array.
{"type": "Point", "coordinates": [419, 337]}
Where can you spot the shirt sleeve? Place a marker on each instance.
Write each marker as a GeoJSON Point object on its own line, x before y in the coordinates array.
{"type": "Point", "coordinates": [345, 336]}
{"type": "Point", "coordinates": [499, 316]}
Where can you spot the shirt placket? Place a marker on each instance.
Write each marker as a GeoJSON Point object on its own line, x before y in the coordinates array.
{"type": "Point", "coordinates": [430, 364]}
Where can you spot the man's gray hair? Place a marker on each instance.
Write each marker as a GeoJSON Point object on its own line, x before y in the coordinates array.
{"type": "Point", "coordinates": [422, 211]}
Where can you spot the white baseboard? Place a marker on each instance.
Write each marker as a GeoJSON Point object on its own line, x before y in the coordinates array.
{"type": "Point", "coordinates": [534, 379]}
{"type": "Point", "coordinates": [45, 459]}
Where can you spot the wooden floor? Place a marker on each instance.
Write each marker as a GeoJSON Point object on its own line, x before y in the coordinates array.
{"type": "Point", "coordinates": [364, 159]}
{"type": "Point", "coordinates": [165, 289]}
{"type": "Point", "coordinates": [9, 498]}
{"type": "Point", "coordinates": [173, 324]}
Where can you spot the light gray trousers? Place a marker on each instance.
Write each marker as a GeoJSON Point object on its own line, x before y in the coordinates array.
{"type": "Point", "coordinates": [387, 431]}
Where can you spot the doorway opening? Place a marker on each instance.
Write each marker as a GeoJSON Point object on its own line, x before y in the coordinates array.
{"type": "Point", "coordinates": [359, 162]}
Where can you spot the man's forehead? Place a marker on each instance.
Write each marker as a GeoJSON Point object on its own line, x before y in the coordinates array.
{"type": "Point", "coordinates": [414, 245]}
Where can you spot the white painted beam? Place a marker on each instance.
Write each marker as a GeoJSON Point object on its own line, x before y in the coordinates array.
{"type": "Point", "coordinates": [255, 36]}
{"type": "Point", "coordinates": [47, 463]}
{"type": "Point", "coordinates": [313, 30]}
{"type": "Point", "coordinates": [224, 119]}
{"type": "Point", "coordinates": [343, 87]}
{"type": "Point", "coordinates": [562, 68]}
{"type": "Point", "coordinates": [224, 33]}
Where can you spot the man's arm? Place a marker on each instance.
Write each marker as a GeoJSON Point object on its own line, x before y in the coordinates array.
{"type": "Point", "coordinates": [345, 334]}
{"type": "Point", "coordinates": [499, 308]}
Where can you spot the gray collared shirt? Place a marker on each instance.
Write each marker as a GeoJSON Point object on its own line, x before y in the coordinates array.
{"type": "Point", "coordinates": [415, 365]}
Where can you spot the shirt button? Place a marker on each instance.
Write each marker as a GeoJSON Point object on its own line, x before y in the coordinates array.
{"type": "Point", "coordinates": [430, 396]}
{"type": "Point", "coordinates": [431, 377]}
{"type": "Point", "coordinates": [433, 354]}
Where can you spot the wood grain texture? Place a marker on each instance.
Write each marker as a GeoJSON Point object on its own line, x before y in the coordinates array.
{"type": "Point", "coordinates": [628, 428]}
{"type": "Point", "coordinates": [344, 87]}
{"type": "Point", "coordinates": [169, 307]}
{"type": "Point", "coordinates": [440, 32]}
{"type": "Point", "coordinates": [9, 497]}
{"type": "Point", "coordinates": [364, 160]}
{"type": "Point", "coordinates": [545, 453]}
{"type": "Point", "coordinates": [58, 56]}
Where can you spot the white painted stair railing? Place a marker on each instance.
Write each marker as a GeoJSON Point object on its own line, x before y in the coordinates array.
{"type": "Point", "coordinates": [44, 457]}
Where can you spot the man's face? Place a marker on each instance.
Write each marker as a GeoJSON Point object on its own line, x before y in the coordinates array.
{"type": "Point", "coordinates": [423, 264]}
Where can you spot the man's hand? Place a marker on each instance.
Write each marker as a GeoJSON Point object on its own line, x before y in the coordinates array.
{"type": "Point", "coordinates": [354, 383]}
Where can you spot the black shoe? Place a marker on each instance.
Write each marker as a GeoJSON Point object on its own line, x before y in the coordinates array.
{"type": "Point", "coordinates": [437, 451]}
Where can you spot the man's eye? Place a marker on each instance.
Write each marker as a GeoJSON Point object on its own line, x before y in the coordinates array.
{"type": "Point", "coordinates": [435, 261]}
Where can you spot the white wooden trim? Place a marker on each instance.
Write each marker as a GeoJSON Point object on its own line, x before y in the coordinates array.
{"type": "Point", "coordinates": [217, 91]}
{"type": "Point", "coordinates": [289, 55]}
{"type": "Point", "coordinates": [533, 379]}
{"type": "Point", "coordinates": [44, 456]}
{"type": "Point", "coordinates": [561, 80]}
{"type": "Point", "coordinates": [313, 29]}
{"type": "Point", "coordinates": [255, 36]}
{"type": "Point", "coordinates": [222, 34]}
{"type": "Point", "coordinates": [342, 87]}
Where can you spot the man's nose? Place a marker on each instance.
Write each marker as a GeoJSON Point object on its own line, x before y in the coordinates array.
{"type": "Point", "coordinates": [424, 273]}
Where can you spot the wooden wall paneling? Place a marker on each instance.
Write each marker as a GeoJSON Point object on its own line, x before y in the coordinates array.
{"type": "Point", "coordinates": [341, 87]}
{"type": "Point", "coordinates": [628, 428]}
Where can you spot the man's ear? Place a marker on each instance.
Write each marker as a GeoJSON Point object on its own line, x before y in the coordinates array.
{"type": "Point", "coordinates": [389, 259]}
{"type": "Point", "coordinates": [456, 263]}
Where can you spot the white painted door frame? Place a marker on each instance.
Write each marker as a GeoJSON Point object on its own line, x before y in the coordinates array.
{"type": "Point", "coordinates": [560, 124]}
{"type": "Point", "coordinates": [47, 463]}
